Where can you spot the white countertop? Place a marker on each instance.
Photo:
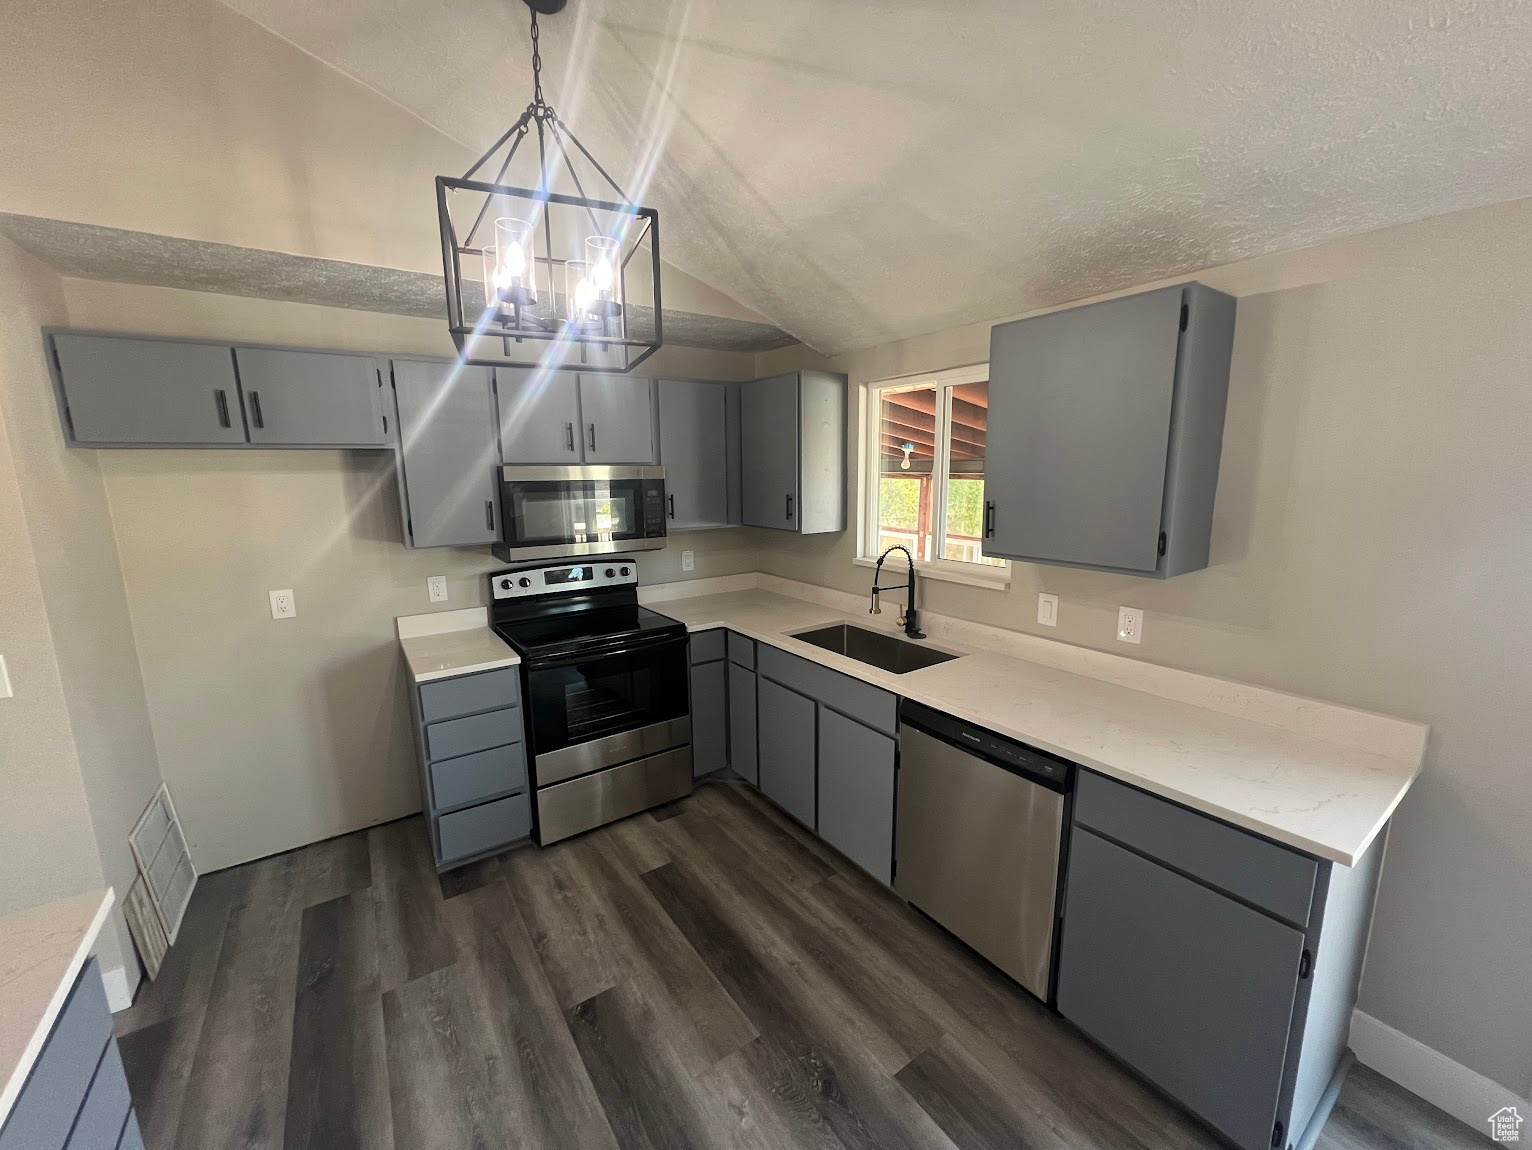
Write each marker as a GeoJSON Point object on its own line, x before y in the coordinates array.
{"type": "Point", "coordinates": [1321, 778]}
{"type": "Point", "coordinates": [446, 643]}
{"type": "Point", "coordinates": [42, 951]}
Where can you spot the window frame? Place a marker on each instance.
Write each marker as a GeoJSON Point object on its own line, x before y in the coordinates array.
{"type": "Point", "coordinates": [868, 464]}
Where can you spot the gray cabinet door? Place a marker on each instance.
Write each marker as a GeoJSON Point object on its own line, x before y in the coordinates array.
{"type": "Point", "coordinates": [785, 735]}
{"type": "Point", "coordinates": [148, 391]}
{"type": "Point", "coordinates": [1079, 425]}
{"type": "Point", "coordinates": [742, 727]}
{"type": "Point", "coordinates": [769, 447]}
{"type": "Point", "coordinates": [310, 398]}
{"type": "Point", "coordinates": [710, 738]}
{"type": "Point", "coordinates": [447, 453]}
{"type": "Point", "coordinates": [539, 415]}
{"type": "Point", "coordinates": [856, 793]}
{"type": "Point", "coordinates": [694, 452]}
{"type": "Point", "coordinates": [618, 411]}
{"type": "Point", "coordinates": [1192, 989]}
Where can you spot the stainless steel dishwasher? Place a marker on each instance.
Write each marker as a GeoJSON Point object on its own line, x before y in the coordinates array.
{"type": "Point", "coordinates": [980, 832]}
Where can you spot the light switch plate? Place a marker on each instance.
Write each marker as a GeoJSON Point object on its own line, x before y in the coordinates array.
{"type": "Point", "coordinates": [283, 605]}
{"type": "Point", "coordinates": [688, 561]}
{"type": "Point", "coordinates": [1048, 610]}
{"type": "Point", "coordinates": [436, 588]}
{"type": "Point", "coordinates": [1130, 624]}
{"type": "Point", "coordinates": [5, 680]}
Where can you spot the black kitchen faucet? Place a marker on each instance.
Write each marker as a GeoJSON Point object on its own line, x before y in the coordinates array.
{"type": "Point", "coordinates": [908, 619]}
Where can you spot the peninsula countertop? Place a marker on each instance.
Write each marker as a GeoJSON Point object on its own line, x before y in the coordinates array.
{"type": "Point", "coordinates": [42, 951]}
{"type": "Point", "coordinates": [442, 644]}
{"type": "Point", "coordinates": [1325, 783]}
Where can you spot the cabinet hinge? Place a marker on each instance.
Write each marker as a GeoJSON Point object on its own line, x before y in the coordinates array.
{"type": "Point", "coordinates": [1162, 545]}
{"type": "Point", "coordinates": [1185, 315]}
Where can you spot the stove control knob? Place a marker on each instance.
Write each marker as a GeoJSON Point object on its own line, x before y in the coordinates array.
{"type": "Point", "coordinates": [524, 581]}
{"type": "Point", "coordinates": [624, 570]}
{"type": "Point", "coordinates": [505, 584]}
{"type": "Point", "coordinates": [610, 573]}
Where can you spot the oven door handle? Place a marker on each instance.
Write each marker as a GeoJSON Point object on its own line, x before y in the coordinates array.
{"type": "Point", "coordinates": [615, 647]}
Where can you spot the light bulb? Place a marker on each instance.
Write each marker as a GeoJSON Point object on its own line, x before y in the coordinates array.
{"type": "Point", "coordinates": [584, 294]}
{"type": "Point", "coordinates": [602, 275]}
{"type": "Point", "coordinates": [514, 262]}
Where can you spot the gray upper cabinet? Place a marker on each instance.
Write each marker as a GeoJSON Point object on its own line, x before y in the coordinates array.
{"type": "Point", "coordinates": [618, 416]}
{"type": "Point", "coordinates": [1106, 426]}
{"type": "Point", "coordinates": [124, 392]}
{"type": "Point", "coordinates": [539, 416]}
{"type": "Point", "coordinates": [694, 452]}
{"type": "Point", "coordinates": [446, 453]}
{"type": "Point", "coordinates": [311, 398]}
{"type": "Point", "coordinates": [793, 452]}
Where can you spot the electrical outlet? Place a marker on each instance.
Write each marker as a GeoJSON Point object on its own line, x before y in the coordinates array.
{"type": "Point", "coordinates": [1130, 624]}
{"type": "Point", "coordinates": [283, 605]}
{"type": "Point", "coordinates": [688, 561]}
{"type": "Point", "coordinates": [436, 588]}
{"type": "Point", "coordinates": [1048, 610]}
{"type": "Point", "coordinates": [5, 680]}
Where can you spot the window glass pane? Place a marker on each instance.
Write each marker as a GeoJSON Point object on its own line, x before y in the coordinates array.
{"type": "Point", "coordinates": [969, 421]}
{"type": "Point", "coordinates": [907, 448]}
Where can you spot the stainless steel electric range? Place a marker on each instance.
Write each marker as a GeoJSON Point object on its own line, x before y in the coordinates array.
{"type": "Point", "coordinates": [606, 687]}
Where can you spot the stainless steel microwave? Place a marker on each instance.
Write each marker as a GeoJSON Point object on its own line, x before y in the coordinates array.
{"type": "Point", "coordinates": [551, 512]}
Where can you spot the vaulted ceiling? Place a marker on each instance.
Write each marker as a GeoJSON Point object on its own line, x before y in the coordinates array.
{"type": "Point", "coordinates": [865, 170]}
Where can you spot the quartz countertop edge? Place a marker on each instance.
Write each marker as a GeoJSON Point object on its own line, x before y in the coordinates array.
{"type": "Point", "coordinates": [468, 646]}
{"type": "Point", "coordinates": [1323, 798]}
{"type": "Point", "coordinates": [42, 951]}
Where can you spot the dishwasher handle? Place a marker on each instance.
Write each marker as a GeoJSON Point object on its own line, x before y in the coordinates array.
{"type": "Point", "coordinates": [1037, 766]}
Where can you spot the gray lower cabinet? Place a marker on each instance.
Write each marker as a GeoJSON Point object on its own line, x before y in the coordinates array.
{"type": "Point", "coordinates": [694, 452]}
{"type": "Point", "coordinates": [121, 391]}
{"type": "Point", "coordinates": [470, 735]}
{"type": "Point", "coordinates": [539, 416]}
{"type": "Point", "coordinates": [446, 454]}
{"type": "Point", "coordinates": [788, 753]}
{"type": "Point", "coordinates": [793, 452]}
{"type": "Point", "coordinates": [742, 720]}
{"type": "Point", "coordinates": [1186, 953]}
{"type": "Point", "coordinates": [76, 1095]}
{"type": "Point", "coordinates": [1108, 424]}
{"type": "Point", "coordinates": [311, 398]}
{"type": "Point", "coordinates": [709, 703]}
{"type": "Point", "coordinates": [856, 792]}
{"type": "Point", "coordinates": [618, 416]}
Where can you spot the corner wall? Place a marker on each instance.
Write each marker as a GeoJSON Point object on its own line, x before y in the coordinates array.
{"type": "Point", "coordinates": [1372, 545]}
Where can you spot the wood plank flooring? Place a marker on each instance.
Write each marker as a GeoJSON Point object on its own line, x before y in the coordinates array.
{"type": "Point", "coordinates": [707, 976]}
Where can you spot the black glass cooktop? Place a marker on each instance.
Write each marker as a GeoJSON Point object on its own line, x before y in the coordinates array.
{"type": "Point", "coordinates": [592, 629]}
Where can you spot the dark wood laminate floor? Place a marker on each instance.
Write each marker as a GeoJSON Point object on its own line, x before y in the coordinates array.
{"type": "Point", "coordinates": [707, 975]}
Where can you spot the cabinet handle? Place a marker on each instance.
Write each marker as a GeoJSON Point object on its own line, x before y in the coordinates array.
{"type": "Point", "coordinates": [989, 520]}
{"type": "Point", "coordinates": [221, 399]}
{"type": "Point", "coordinates": [789, 508]}
{"type": "Point", "coordinates": [255, 409]}
{"type": "Point", "coordinates": [672, 500]}
{"type": "Point", "coordinates": [489, 514]}
{"type": "Point", "coordinates": [592, 436]}
{"type": "Point", "coordinates": [569, 435]}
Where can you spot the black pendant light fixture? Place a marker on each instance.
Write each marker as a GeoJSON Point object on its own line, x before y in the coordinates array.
{"type": "Point", "coordinates": [539, 272]}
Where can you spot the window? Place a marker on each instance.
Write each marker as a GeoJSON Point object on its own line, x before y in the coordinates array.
{"type": "Point", "coordinates": [924, 483]}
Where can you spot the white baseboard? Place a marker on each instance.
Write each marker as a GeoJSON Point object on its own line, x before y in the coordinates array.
{"type": "Point", "coordinates": [119, 988]}
{"type": "Point", "coordinates": [1463, 1093]}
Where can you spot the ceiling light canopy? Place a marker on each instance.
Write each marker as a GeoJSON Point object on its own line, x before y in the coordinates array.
{"type": "Point", "coordinates": [538, 271]}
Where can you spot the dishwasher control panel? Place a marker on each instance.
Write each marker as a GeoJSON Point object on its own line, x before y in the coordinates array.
{"type": "Point", "coordinates": [1003, 751]}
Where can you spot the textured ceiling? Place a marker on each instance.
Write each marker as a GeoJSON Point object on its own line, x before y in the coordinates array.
{"type": "Point", "coordinates": [864, 171]}
{"type": "Point", "coordinates": [87, 251]}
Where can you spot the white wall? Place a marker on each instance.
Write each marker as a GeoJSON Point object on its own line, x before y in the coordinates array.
{"type": "Point", "coordinates": [1372, 545]}
{"type": "Point", "coordinates": [275, 734]}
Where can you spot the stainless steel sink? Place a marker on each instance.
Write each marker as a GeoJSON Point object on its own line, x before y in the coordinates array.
{"type": "Point", "coordinates": [877, 648]}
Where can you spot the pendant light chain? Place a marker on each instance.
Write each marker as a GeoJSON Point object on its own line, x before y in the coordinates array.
{"type": "Point", "coordinates": [537, 67]}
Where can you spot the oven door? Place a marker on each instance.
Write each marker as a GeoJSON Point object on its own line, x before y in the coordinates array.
{"type": "Point", "coordinates": [552, 512]}
{"type": "Point", "coordinates": [594, 711]}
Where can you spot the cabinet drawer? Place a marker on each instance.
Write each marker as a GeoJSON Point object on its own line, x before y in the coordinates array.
{"type": "Point", "coordinates": [107, 1104]}
{"type": "Point", "coordinates": [1270, 876]}
{"type": "Point", "coordinates": [448, 698]}
{"type": "Point", "coordinates": [475, 733]}
{"type": "Point", "coordinates": [707, 646]}
{"type": "Point", "coordinates": [482, 828]}
{"type": "Point", "coordinates": [862, 702]}
{"type": "Point", "coordinates": [742, 650]}
{"type": "Point", "coordinates": [61, 1076]}
{"type": "Point", "coordinates": [469, 778]}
